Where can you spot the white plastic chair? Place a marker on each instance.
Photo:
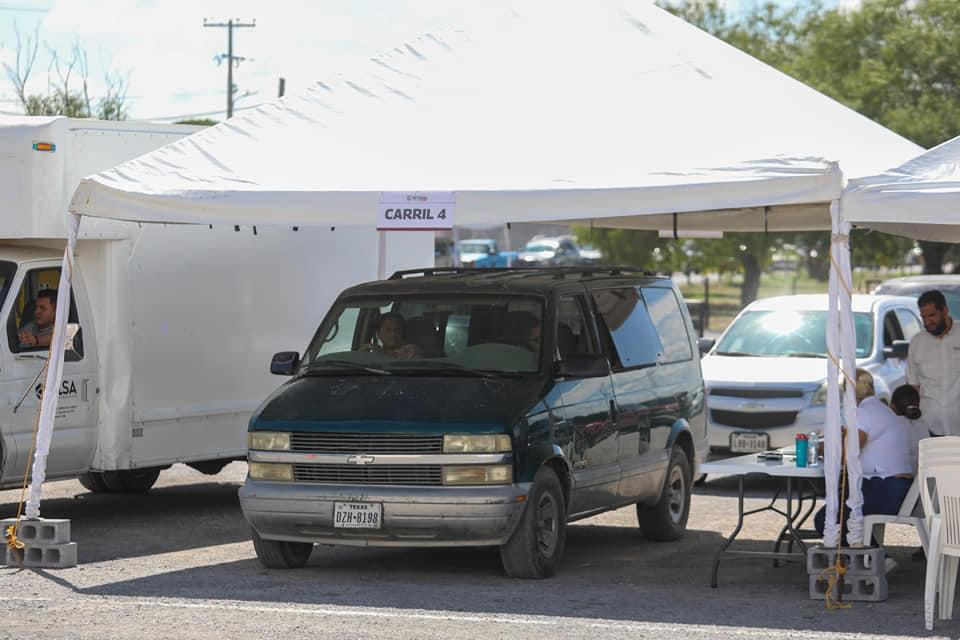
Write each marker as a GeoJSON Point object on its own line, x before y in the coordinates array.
{"type": "Point", "coordinates": [908, 514]}
{"type": "Point", "coordinates": [939, 480]}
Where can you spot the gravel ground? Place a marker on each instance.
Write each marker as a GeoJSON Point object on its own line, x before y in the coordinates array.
{"type": "Point", "coordinates": [178, 562]}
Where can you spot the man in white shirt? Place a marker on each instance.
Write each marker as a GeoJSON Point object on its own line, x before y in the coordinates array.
{"type": "Point", "coordinates": [933, 366]}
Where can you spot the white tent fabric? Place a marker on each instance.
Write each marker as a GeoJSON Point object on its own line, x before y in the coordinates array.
{"type": "Point", "coordinates": [611, 111]}
{"type": "Point", "coordinates": [919, 199]}
{"type": "Point", "coordinates": [528, 111]}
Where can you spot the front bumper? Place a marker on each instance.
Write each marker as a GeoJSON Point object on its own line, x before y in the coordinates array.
{"type": "Point", "coordinates": [412, 516]}
{"type": "Point", "coordinates": [807, 420]}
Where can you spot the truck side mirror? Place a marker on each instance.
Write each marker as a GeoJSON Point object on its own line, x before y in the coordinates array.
{"type": "Point", "coordinates": [72, 347]}
{"type": "Point", "coordinates": [285, 363]}
{"type": "Point", "coordinates": [582, 365]}
{"type": "Point", "coordinates": [898, 349]}
{"type": "Point", "coordinates": [705, 344]}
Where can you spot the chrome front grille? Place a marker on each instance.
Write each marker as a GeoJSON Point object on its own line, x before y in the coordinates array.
{"type": "Point", "coordinates": [409, 474]}
{"type": "Point", "coordinates": [733, 392]}
{"type": "Point", "coordinates": [746, 420]}
{"type": "Point", "coordinates": [372, 443]}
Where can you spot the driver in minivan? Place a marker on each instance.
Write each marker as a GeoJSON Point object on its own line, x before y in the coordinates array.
{"type": "Point", "coordinates": [39, 332]}
{"type": "Point", "coordinates": [390, 338]}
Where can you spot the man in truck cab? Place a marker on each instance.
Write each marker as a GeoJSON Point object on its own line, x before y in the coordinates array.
{"type": "Point", "coordinates": [39, 332]}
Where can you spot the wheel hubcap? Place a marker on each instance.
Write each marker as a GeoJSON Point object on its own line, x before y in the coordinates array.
{"type": "Point", "coordinates": [548, 524]}
{"type": "Point", "coordinates": [678, 494]}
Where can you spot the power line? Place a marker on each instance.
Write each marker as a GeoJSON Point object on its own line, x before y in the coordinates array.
{"type": "Point", "coordinates": [230, 58]}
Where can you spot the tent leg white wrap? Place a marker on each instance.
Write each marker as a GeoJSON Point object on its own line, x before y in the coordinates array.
{"type": "Point", "coordinates": [48, 402]}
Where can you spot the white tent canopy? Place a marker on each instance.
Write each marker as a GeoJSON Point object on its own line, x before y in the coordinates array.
{"type": "Point", "coordinates": [611, 111]}
{"type": "Point", "coordinates": [532, 112]}
{"type": "Point", "coordinates": [919, 199]}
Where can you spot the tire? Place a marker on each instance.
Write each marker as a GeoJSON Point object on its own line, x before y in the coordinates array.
{"type": "Point", "coordinates": [667, 520]}
{"type": "Point", "coordinates": [93, 481]}
{"type": "Point", "coordinates": [536, 546]}
{"type": "Point", "coordinates": [130, 480]}
{"type": "Point", "coordinates": [279, 554]}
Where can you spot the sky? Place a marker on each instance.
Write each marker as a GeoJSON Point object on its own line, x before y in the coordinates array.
{"type": "Point", "coordinates": [168, 55]}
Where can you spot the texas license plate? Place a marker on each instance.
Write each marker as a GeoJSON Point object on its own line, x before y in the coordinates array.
{"type": "Point", "coordinates": [749, 442]}
{"type": "Point", "coordinates": [357, 515]}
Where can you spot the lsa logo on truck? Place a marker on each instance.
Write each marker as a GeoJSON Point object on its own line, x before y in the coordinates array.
{"type": "Point", "coordinates": [68, 389]}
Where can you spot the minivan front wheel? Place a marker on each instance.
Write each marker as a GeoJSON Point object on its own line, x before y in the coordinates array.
{"type": "Point", "coordinates": [536, 546]}
{"type": "Point", "coordinates": [280, 554]}
{"type": "Point", "coordinates": [667, 519]}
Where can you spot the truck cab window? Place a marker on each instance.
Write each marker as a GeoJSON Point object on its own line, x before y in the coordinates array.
{"type": "Point", "coordinates": [30, 324]}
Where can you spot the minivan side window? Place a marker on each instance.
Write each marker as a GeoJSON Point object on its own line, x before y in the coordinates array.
{"type": "Point", "coordinates": [667, 318]}
{"type": "Point", "coordinates": [909, 323]}
{"type": "Point", "coordinates": [573, 331]}
{"type": "Point", "coordinates": [30, 324]}
{"type": "Point", "coordinates": [625, 317]}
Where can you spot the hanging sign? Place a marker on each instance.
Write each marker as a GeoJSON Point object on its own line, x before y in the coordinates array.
{"type": "Point", "coordinates": [416, 210]}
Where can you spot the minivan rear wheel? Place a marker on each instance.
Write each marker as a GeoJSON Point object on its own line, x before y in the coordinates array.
{"type": "Point", "coordinates": [667, 519]}
{"type": "Point", "coordinates": [536, 546]}
{"type": "Point", "coordinates": [281, 554]}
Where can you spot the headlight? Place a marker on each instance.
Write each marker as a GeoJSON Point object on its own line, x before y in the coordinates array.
{"type": "Point", "coordinates": [820, 397]}
{"type": "Point", "coordinates": [268, 441]}
{"type": "Point", "coordinates": [477, 444]}
{"type": "Point", "coordinates": [270, 471]}
{"type": "Point", "coordinates": [478, 474]}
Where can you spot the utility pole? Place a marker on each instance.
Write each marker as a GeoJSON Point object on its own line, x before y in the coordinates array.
{"type": "Point", "coordinates": [228, 56]}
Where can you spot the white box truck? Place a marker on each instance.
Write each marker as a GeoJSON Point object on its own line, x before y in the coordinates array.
{"type": "Point", "coordinates": [177, 323]}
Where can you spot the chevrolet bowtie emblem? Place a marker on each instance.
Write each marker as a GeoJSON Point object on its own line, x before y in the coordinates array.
{"type": "Point", "coordinates": [361, 459]}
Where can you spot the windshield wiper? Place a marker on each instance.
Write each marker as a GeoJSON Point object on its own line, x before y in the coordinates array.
{"type": "Point", "coordinates": [805, 354]}
{"type": "Point", "coordinates": [342, 366]}
{"type": "Point", "coordinates": [738, 354]}
{"type": "Point", "coordinates": [426, 366]}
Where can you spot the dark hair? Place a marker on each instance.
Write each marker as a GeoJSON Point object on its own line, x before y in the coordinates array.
{"type": "Point", "coordinates": [906, 401]}
{"type": "Point", "coordinates": [49, 294]}
{"type": "Point", "coordinates": [933, 297]}
{"type": "Point", "coordinates": [392, 315]}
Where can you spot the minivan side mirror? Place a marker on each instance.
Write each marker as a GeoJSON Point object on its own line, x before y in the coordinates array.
{"type": "Point", "coordinates": [705, 344]}
{"type": "Point", "coordinates": [285, 363]}
{"type": "Point", "coordinates": [582, 365]}
{"type": "Point", "coordinates": [898, 349]}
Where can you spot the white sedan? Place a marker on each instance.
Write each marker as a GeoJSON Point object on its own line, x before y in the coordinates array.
{"type": "Point", "coordinates": [766, 375]}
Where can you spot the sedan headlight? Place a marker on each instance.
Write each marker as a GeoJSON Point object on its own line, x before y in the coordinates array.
{"type": "Point", "coordinates": [478, 474]}
{"type": "Point", "coordinates": [270, 471]}
{"type": "Point", "coordinates": [494, 443]}
{"type": "Point", "coordinates": [820, 397]}
{"type": "Point", "coordinates": [268, 441]}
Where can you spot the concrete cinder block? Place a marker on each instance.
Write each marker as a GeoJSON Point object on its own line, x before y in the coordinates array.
{"type": "Point", "coordinates": [50, 556]}
{"type": "Point", "coordinates": [43, 530]}
{"type": "Point", "coordinates": [859, 561]}
{"type": "Point", "coordinates": [856, 588]}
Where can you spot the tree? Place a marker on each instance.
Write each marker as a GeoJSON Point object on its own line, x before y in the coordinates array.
{"type": "Point", "coordinates": [63, 98]}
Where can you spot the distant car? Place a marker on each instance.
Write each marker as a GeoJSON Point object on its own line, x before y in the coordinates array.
{"type": "Point", "coordinates": [766, 376]}
{"type": "Point", "coordinates": [913, 286]}
{"type": "Point", "coordinates": [589, 255]}
{"type": "Point", "coordinates": [484, 253]}
{"type": "Point", "coordinates": [550, 252]}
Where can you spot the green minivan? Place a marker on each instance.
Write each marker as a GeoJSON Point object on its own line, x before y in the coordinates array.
{"type": "Point", "coordinates": [461, 407]}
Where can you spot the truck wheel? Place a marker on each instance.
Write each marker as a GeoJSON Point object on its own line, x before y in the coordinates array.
{"type": "Point", "coordinates": [667, 520]}
{"type": "Point", "coordinates": [536, 546]}
{"type": "Point", "coordinates": [280, 554]}
{"type": "Point", "coordinates": [130, 480]}
{"type": "Point", "coordinates": [93, 481]}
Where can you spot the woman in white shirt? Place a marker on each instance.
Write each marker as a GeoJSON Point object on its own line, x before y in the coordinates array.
{"type": "Point", "coordinates": [884, 453]}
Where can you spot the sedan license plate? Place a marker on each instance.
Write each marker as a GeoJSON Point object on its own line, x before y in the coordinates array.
{"type": "Point", "coordinates": [749, 442]}
{"type": "Point", "coordinates": [357, 515]}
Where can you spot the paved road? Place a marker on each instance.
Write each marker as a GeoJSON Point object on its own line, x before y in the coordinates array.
{"type": "Point", "coordinates": [178, 562]}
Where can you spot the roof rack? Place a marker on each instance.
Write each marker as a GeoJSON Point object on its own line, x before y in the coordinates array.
{"type": "Point", "coordinates": [557, 272]}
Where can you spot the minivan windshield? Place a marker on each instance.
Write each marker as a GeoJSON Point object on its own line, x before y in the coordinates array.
{"type": "Point", "coordinates": [462, 335]}
{"type": "Point", "coordinates": [789, 333]}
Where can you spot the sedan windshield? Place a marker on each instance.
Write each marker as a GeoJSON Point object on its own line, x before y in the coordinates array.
{"type": "Point", "coordinates": [473, 247]}
{"type": "Point", "coordinates": [466, 336]}
{"type": "Point", "coordinates": [789, 333]}
{"type": "Point", "coordinates": [538, 247]}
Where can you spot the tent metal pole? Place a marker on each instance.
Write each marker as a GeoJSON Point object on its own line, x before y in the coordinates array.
{"type": "Point", "coordinates": [382, 257]}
